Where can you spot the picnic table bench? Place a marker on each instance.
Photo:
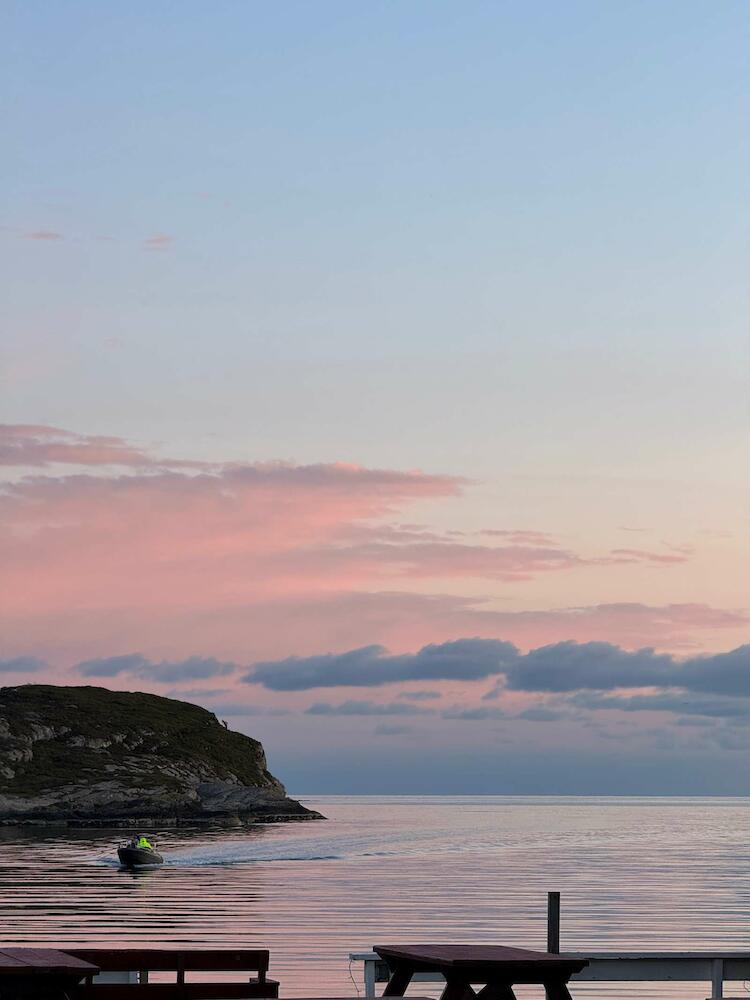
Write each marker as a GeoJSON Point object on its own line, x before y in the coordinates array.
{"type": "Point", "coordinates": [180, 961]}
{"type": "Point", "coordinates": [497, 967]}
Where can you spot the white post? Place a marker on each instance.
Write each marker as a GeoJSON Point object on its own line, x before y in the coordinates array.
{"type": "Point", "coordinates": [370, 978]}
{"type": "Point", "coordinates": [717, 979]}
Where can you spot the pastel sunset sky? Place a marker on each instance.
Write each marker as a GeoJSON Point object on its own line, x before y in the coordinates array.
{"type": "Point", "coordinates": [376, 375]}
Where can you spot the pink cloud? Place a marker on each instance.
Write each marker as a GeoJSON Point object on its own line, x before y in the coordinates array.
{"type": "Point", "coordinates": [520, 536]}
{"type": "Point", "coordinates": [44, 234]}
{"type": "Point", "coordinates": [443, 558]}
{"type": "Point", "coordinates": [159, 241]}
{"type": "Point", "coordinates": [167, 538]}
{"type": "Point", "coordinates": [259, 560]}
{"type": "Point", "coordinates": [265, 626]}
{"type": "Point", "coordinates": [642, 555]}
{"type": "Point", "coordinates": [413, 551]}
{"type": "Point", "coordinates": [37, 445]}
{"type": "Point", "coordinates": [628, 624]}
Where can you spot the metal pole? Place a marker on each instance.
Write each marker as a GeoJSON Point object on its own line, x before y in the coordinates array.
{"type": "Point", "coordinates": [717, 978]}
{"type": "Point", "coordinates": [553, 923]}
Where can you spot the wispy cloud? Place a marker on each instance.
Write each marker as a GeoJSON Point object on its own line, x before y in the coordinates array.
{"type": "Point", "coordinates": [643, 555]}
{"type": "Point", "coordinates": [420, 695]}
{"type": "Point", "coordinates": [29, 445]}
{"type": "Point", "coordinates": [22, 665]}
{"type": "Point", "coordinates": [165, 672]}
{"type": "Point", "coordinates": [478, 713]}
{"type": "Point", "coordinates": [239, 709]}
{"type": "Point", "coordinates": [45, 235]}
{"type": "Point", "coordinates": [156, 241]}
{"type": "Point", "coordinates": [677, 702]}
{"type": "Point", "coordinates": [520, 536]}
{"type": "Point", "coordinates": [367, 708]}
{"type": "Point", "coordinates": [159, 241]}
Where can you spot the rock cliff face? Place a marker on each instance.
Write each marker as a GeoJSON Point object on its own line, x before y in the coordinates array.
{"type": "Point", "coordinates": [90, 756]}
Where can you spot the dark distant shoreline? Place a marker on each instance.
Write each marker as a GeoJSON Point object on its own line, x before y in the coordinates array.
{"type": "Point", "coordinates": [163, 822]}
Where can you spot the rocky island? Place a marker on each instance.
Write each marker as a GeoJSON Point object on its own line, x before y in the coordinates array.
{"type": "Point", "coordinates": [88, 756]}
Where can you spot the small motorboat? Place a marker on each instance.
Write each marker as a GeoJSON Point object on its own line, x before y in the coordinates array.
{"type": "Point", "coordinates": [133, 856]}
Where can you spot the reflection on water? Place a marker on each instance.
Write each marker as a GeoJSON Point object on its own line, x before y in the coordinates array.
{"type": "Point", "coordinates": [651, 874]}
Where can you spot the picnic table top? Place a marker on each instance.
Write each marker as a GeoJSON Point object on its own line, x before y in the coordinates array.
{"type": "Point", "coordinates": [457, 956]}
{"type": "Point", "coordinates": [42, 961]}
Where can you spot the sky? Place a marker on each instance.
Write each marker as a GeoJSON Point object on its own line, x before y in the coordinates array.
{"type": "Point", "coordinates": [376, 375]}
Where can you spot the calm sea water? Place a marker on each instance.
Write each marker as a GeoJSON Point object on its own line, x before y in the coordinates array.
{"type": "Point", "coordinates": [652, 874]}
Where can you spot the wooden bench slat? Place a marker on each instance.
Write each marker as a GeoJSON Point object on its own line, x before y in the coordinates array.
{"type": "Point", "coordinates": [174, 959]}
{"type": "Point", "coordinates": [180, 961]}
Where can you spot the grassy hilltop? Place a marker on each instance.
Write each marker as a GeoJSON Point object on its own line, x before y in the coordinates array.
{"type": "Point", "coordinates": [88, 753]}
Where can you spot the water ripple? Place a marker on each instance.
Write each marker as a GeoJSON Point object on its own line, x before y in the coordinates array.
{"type": "Point", "coordinates": [634, 874]}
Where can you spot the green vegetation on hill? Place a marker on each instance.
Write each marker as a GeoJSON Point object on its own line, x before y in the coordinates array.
{"type": "Point", "coordinates": [84, 752]}
{"type": "Point", "coordinates": [137, 723]}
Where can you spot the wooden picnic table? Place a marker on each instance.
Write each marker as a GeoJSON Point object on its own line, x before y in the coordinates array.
{"type": "Point", "coordinates": [40, 972]}
{"type": "Point", "coordinates": [498, 968]}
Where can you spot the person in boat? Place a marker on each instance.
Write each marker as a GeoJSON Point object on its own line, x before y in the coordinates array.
{"type": "Point", "coordinates": [141, 842]}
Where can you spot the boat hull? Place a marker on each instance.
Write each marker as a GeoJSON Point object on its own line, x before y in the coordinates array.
{"type": "Point", "coordinates": [135, 857]}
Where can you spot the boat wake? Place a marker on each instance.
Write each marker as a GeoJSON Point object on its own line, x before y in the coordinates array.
{"type": "Point", "coordinates": [262, 850]}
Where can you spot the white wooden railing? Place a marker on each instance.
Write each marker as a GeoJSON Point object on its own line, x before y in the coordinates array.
{"type": "Point", "coordinates": [713, 968]}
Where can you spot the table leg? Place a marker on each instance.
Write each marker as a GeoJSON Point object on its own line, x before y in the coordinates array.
{"type": "Point", "coordinates": [398, 984]}
{"type": "Point", "coordinates": [457, 989]}
{"type": "Point", "coordinates": [557, 991]}
{"type": "Point", "coordinates": [496, 991]}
